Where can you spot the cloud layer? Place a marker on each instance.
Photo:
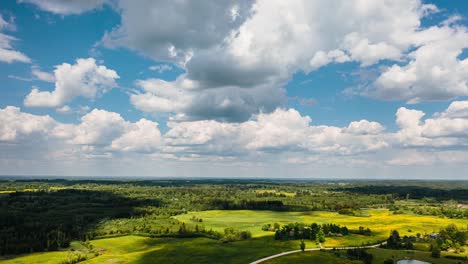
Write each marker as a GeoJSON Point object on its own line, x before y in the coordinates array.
{"type": "Point", "coordinates": [283, 131]}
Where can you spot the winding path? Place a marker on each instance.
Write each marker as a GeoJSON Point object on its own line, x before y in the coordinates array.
{"type": "Point", "coordinates": [314, 249]}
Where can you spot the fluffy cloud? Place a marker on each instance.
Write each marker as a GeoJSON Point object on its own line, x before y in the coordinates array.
{"type": "Point", "coordinates": [434, 72]}
{"type": "Point", "coordinates": [15, 125]}
{"type": "Point", "coordinates": [278, 131]}
{"type": "Point", "coordinates": [98, 132]}
{"type": "Point", "coordinates": [282, 135]}
{"type": "Point", "coordinates": [64, 110]}
{"type": "Point", "coordinates": [230, 47]}
{"type": "Point", "coordinates": [321, 58]}
{"type": "Point", "coordinates": [281, 128]}
{"type": "Point", "coordinates": [66, 7]}
{"type": "Point", "coordinates": [447, 129]}
{"type": "Point", "coordinates": [363, 127]}
{"type": "Point", "coordinates": [281, 38]}
{"type": "Point", "coordinates": [142, 136]}
{"type": "Point", "coordinates": [108, 130]}
{"type": "Point", "coordinates": [7, 53]}
{"type": "Point", "coordinates": [283, 131]}
{"type": "Point", "coordinates": [367, 53]}
{"type": "Point", "coordinates": [172, 30]}
{"type": "Point", "coordinates": [184, 98]}
{"type": "Point", "coordinates": [457, 109]}
{"type": "Point", "coordinates": [99, 127]}
{"type": "Point", "coordinates": [84, 78]}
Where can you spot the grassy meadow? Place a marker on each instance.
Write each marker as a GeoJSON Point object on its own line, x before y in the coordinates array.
{"type": "Point", "coordinates": [139, 249]}
{"type": "Point", "coordinates": [379, 255]}
{"type": "Point", "coordinates": [380, 221]}
{"type": "Point", "coordinates": [66, 222]}
{"type": "Point", "coordinates": [312, 257]}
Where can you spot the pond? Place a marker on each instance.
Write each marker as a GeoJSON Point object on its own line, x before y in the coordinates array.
{"type": "Point", "coordinates": [411, 261]}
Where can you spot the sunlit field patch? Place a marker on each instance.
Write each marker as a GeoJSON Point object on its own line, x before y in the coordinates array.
{"type": "Point", "coordinates": [275, 192]}
{"type": "Point", "coordinates": [381, 222]}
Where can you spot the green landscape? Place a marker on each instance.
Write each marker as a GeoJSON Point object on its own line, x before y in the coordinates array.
{"type": "Point", "coordinates": [232, 221]}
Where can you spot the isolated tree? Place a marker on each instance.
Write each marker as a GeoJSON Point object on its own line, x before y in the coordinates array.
{"type": "Point", "coordinates": [321, 236]}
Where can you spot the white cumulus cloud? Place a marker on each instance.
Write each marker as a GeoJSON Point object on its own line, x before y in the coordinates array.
{"type": "Point", "coordinates": [15, 124]}
{"type": "Point", "coordinates": [434, 70]}
{"type": "Point", "coordinates": [84, 78]}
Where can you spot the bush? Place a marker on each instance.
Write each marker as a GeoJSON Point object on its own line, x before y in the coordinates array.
{"type": "Point", "coordinates": [232, 235]}
{"type": "Point", "coordinates": [435, 253]}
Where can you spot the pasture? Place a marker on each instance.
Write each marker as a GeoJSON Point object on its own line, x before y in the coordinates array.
{"type": "Point", "coordinates": [136, 249]}
{"type": "Point", "coordinates": [170, 222]}
{"type": "Point", "coordinates": [381, 222]}
{"type": "Point", "coordinates": [312, 257]}
{"type": "Point", "coordinates": [139, 249]}
{"type": "Point", "coordinates": [379, 255]}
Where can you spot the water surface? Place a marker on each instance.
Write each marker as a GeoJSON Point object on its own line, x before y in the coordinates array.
{"type": "Point", "coordinates": [411, 261]}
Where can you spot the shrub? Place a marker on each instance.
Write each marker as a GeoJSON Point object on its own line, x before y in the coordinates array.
{"type": "Point", "coordinates": [435, 253]}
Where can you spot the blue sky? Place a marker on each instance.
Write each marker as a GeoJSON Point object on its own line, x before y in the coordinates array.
{"type": "Point", "coordinates": [234, 88]}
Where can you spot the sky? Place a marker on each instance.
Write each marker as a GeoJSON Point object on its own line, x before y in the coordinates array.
{"type": "Point", "coordinates": [234, 88]}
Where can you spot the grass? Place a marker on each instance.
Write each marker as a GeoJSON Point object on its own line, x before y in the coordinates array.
{"type": "Point", "coordinates": [134, 249]}
{"type": "Point", "coordinates": [137, 249]}
{"type": "Point", "coordinates": [381, 222]}
{"type": "Point", "coordinates": [313, 257]}
{"type": "Point", "coordinates": [381, 254]}
{"type": "Point", "coordinates": [42, 257]}
{"type": "Point", "coordinates": [50, 257]}
{"type": "Point", "coordinates": [275, 192]}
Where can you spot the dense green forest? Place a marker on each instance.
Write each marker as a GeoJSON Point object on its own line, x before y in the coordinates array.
{"type": "Point", "coordinates": [44, 215]}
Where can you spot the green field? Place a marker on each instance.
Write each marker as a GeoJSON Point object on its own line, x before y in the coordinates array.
{"type": "Point", "coordinates": [187, 250]}
{"type": "Point", "coordinates": [312, 257]}
{"type": "Point", "coordinates": [76, 248]}
{"type": "Point", "coordinates": [137, 249]}
{"type": "Point", "coordinates": [379, 255]}
{"type": "Point", "coordinates": [381, 222]}
{"type": "Point", "coordinates": [42, 257]}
